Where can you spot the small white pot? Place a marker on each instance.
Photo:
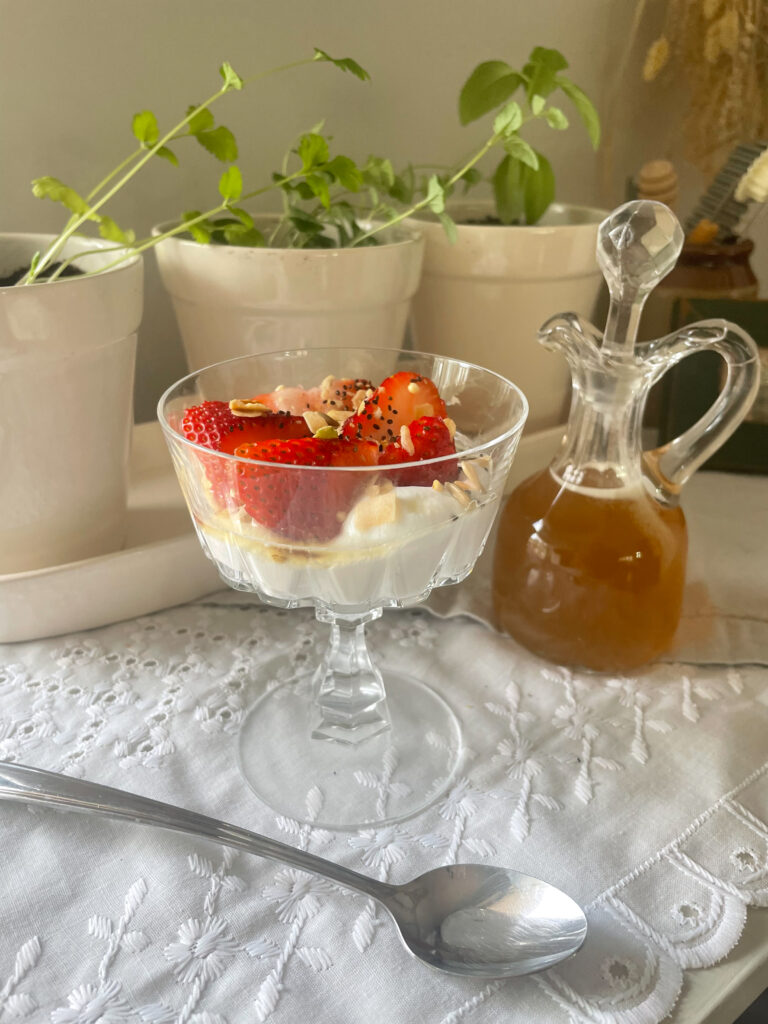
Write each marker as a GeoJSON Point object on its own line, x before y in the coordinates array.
{"type": "Point", "coordinates": [233, 300]}
{"type": "Point", "coordinates": [67, 357]}
{"type": "Point", "coordinates": [485, 297]}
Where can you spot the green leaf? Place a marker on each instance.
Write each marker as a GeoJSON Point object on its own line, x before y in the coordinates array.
{"type": "Point", "coordinates": [541, 71]}
{"type": "Point", "coordinates": [252, 238]}
{"type": "Point", "coordinates": [379, 172]}
{"type": "Point", "coordinates": [242, 215]}
{"type": "Point", "coordinates": [58, 192]}
{"type": "Point", "coordinates": [403, 187]}
{"type": "Point", "coordinates": [508, 119]}
{"type": "Point", "coordinates": [346, 172]}
{"type": "Point", "coordinates": [231, 78]}
{"type": "Point", "coordinates": [319, 185]}
{"type": "Point", "coordinates": [537, 105]}
{"type": "Point", "coordinates": [145, 128]}
{"type": "Point", "coordinates": [34, 262]}
{"type": "Point", "coordinates": [201, 232]}
{"type": "Point", "coordinates": [344, 63]}
{"type": "Point", "coordinates": [109, 229]}
{"type": "Point", "coordinates": [556, 119]}
{"type": "Point", "coordinates": [318, 242]}
{"type": "Point", "coordinates": [312, 150]}
{"type": "Point", "coordinates": [508, 190]}
{"type": "Point", "coordinates": [585, 108]}
{"type": "Point", "coordinates": [435, 195]}
{"type": "Point", "coordinates": [539, 189]}
{"type": "Point", "coordinates": [490, 84]}
{"type": "Point", "coordinates": [449, 227]}
{"type": "Point", "coordinates": [471, 178]}
{"type": "Point", "coordinates": [203, 120]}
{"type": "Point", "coordinates": [301, 189]}
{"type": "Point", "coordinates": [167, 154]}
{"type": "Point", "coordinates": [231, 184]}
{"type": "Point", "coordinates": [234, 233]}
{"type": "Point", "coordinates": [220, 142]}
{"type": "Point", "coordinates": [303, 221]}
{"type": "Point", "coordinates": [519, 149]}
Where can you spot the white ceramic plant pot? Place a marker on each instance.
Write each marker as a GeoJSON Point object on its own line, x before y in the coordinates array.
{"type": "Point", "coordinates": [67, 357]}
{"type": "Point", "coordinates": [485, 297]}
{"type": "Point", "coordinates": [233, 301]}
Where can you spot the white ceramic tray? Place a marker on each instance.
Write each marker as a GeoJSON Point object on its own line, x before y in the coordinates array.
{"type": "Point", "coordinates": [161, 563]}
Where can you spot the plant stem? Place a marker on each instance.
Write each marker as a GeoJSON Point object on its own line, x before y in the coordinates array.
{"type": "Point", "coordinates": [139, 247]}
{"type": "Point", "coordinates": [74, 223]}
{"type": "Point", "coordinates": [58, 244]}
{"type": "Point", "coordinates": [425, 202]}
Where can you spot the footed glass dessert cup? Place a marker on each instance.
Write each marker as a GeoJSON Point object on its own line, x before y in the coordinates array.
{"type": "Point", "coordinates": [344, 743]}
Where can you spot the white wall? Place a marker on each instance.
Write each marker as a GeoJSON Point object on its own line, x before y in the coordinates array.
{"type": "Point", "coordinates": [73, 73]}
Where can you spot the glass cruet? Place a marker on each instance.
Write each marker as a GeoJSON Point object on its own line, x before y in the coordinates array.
{"type": "Point", "coordinates": [591, 551]}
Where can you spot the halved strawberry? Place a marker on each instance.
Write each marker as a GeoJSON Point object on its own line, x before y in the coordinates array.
{"type": "Point", "coordinates": [302, 506]}
{"type": "Point", "coordinates": [398, 401]}
{"type": "Point", "coordinates": [215, 426]}
{"type": "Point", "coordinates": [430, 439]}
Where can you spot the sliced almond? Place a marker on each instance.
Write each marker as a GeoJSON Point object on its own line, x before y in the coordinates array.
{"type": "Point", "coordinates": [247, 407]}
{"type": "Point", "coordinates": [338, 415]}
{"type": "Point", "coordinates": [406, 440]}
{"type": "Point", "coordinates": [314, 420]}
{"type": "Point", "coordinates": [326, 386]}
{"type": "Point", "coordinates": [451, 425]}
{"type": "Point", "coordinates": [460, 495]}
{"type": "Point", "coordinates": [437, 485]}
{"type": "Point", "coordinates": [358, 399]}
{"type": "Point", "coordinates": [470, 473]}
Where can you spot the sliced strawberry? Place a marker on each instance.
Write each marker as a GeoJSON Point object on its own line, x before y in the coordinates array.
{"type": "Point", "coordinates": [397, 402]}
{"type": "Point", "coordinates": [430, 439]}
{"type": "Point", "coordinates": [311, 506]}
{"type": "Point", "coordinates": [333, 394]}
{"type": "Point", "coordinates": [215, 426]}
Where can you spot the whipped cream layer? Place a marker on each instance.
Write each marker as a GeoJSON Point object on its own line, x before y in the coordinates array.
{"type": "Point", "coordinates": [431, 539]}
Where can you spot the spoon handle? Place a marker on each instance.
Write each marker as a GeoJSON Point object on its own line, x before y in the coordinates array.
{"type": "Point", "coordinates": [37, 786]}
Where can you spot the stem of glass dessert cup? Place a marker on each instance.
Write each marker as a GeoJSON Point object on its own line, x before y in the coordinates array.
{"type": "Point", "coordinates": [349, 703]}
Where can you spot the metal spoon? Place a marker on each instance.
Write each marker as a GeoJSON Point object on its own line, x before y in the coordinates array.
{"type": "Point", "coordinates": [467, 919]}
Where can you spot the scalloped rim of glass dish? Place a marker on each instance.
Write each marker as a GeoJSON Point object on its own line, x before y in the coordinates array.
{"type": "Point", "coordinates": [161, 563]}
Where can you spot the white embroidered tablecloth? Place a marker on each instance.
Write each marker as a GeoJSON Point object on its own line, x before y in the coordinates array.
{"type": "Point", "coordinates": [644, 796]}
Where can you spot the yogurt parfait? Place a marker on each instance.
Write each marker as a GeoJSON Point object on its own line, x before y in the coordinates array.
{"type": "Point", "coordinates": [350, 493]}
{"type": "Point", "coordinates": [350, 480]}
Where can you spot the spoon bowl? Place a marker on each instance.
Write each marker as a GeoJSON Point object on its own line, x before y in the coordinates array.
{"type": "Point", "coordinates": [466, 919]}
{"type": "Point", "coordinates": [484, 921]}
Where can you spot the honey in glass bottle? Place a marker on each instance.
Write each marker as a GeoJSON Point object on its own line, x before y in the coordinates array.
{"type": "Point", "coordinates": [591, 552]}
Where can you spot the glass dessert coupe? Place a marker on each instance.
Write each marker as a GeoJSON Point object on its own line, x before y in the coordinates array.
{"type": "Point", "coordinates": [346, 743]}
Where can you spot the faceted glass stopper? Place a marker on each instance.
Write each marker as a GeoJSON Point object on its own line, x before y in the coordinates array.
{"type": "Point", "coordinates": [637, 246]}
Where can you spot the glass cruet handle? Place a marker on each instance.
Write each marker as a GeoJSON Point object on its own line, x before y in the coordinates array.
{"type": "Point", "coordinates": [637, 245]}
{"type": "Point", "coordinates": [672, 464]}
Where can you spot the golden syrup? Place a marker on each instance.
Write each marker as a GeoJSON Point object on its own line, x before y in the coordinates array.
{"type": "Point", "coordinates": [589, 578]}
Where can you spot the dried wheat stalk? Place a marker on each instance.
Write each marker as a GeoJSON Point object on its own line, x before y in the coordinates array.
{"type": "Point", "coordinates": [721, 49]}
